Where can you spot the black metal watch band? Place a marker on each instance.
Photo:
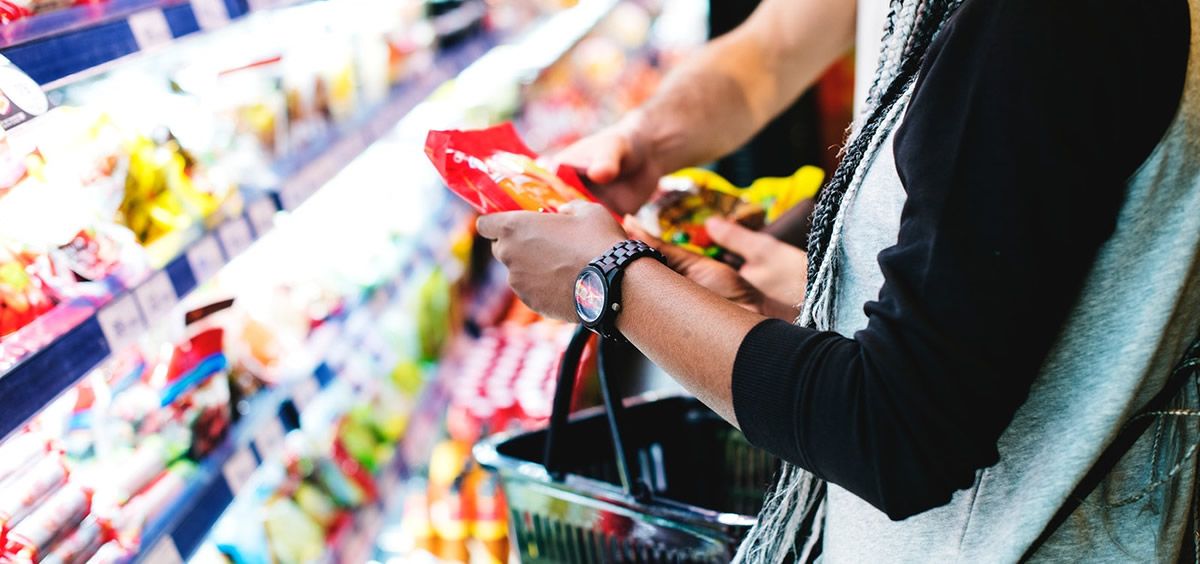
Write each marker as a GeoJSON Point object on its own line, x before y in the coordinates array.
{"type": "Point", "coordinates": [612, 264]}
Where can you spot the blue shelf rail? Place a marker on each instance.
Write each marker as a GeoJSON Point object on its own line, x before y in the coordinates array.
{"type": "Point", "coordinates": [56, 45]}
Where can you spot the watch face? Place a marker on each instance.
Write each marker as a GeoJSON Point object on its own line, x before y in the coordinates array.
{"type": "Point", "coordinates": [589, 296]}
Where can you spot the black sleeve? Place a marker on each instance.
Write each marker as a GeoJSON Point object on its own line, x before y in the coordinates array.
{"type": "Point", "coordinates": [1028, 119]}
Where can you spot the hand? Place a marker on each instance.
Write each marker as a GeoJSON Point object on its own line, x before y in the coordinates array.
{"type": "Point", "coordinates": [717, 277]}
{"type": "Point", "coordinates": [776, 268]}
{"type": "Point", "coordinates": [544, 252]}
{"type": "Point", "coordinates": [617, 161]}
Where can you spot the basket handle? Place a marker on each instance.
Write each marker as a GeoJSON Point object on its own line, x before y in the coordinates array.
{"type": "Point", "coordinates": [568, 370]}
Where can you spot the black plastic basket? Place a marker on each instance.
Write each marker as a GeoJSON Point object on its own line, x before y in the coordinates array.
{"type": "Point", "coordinates": [663, 479]}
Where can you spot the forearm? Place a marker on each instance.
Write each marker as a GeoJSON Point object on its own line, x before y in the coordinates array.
{"type": "Point", "coordinates": [718, 99]}
{"type": "Point", "coordinates": [694, 334]}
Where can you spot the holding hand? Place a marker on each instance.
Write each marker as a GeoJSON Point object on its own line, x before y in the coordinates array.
{"type": "Point", "coordinates": [544, 252]}
{"type": "Point", "coordinates": [616, 162]}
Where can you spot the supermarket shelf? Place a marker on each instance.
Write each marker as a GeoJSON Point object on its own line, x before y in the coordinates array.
{"type": "Point", "coordinates": [258, 436]}
{"type": "Point", "coordinates": [49, 371]}
{"type": "Point", "coordinates": [55, 45]}
{"type": "Point", "coordinates": [46, 373]}
{"type": "Point", "coordinates": [304, 172]}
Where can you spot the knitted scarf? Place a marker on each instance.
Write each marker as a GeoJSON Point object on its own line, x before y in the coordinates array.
{"type": "Point", "coordinates": [789, 527]}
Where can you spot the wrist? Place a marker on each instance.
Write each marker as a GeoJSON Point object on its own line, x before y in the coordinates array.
{"type": "Point", "coordinates": [658, 138]}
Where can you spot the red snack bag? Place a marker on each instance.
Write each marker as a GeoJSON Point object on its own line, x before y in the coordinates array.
{"type": "Point", "coordinates": [493, 170]}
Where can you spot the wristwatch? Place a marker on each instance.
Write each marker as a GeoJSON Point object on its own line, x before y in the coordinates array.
{"type": "Point", "coordinates": [598, 286]}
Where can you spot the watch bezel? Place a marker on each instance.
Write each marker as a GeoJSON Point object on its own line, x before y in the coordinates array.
{"type": "Point", "coordinates": [604, 284]}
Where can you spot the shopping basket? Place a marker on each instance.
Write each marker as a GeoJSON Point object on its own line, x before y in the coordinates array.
{"type": "Point", "coordinates": [663, 479]}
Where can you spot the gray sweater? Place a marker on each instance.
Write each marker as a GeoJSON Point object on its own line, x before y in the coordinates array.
{"type": "Point", "coordinates": [1113, 354]}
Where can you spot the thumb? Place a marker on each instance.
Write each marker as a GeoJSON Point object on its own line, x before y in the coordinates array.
{"type": "Point", "coordinates": [736, 238]}
{"type": "Point", "coordinates": [678, 259]}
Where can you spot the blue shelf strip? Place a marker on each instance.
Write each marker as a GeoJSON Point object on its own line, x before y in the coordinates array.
{"type": "Point", "coordinates": [56, 45]}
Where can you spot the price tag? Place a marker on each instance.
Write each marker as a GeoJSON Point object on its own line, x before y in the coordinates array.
{"type": "Point", "coordinates": [236, 237]}
{"type": "Point", "coordinates": [205, 259]}
{"type": "Point", "coordinates": [210, 13]}
{"type": "Point", "coordinates": [163, 552]}
{"type": "Point", "coordinates": [150, 29]}
{"type": "Point", "coordinates": [262, 215]}
{"type": "Point", "coordinates": [121, 322]}
{"type": "Point", "coordinates": [293, 192]}
{"type": "Point", "coordinates": [268, 439]}
{"type": "Point", "coordinates": [238, 469]}
{"type": "Point", "coordinates": [304, 392]}
{"type": "Point", "coordinates": [157, 297]}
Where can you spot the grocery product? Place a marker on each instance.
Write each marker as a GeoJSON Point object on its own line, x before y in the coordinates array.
{"type": "Point", "coordinates": [686, 199]}
{"type": "Point", "coordinates": [493, 170]}
{"type": "Point", "coordinates": [33, 536]}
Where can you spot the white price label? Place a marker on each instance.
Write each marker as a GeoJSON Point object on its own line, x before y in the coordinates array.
{"type": "Point", "coordinates": [304, 392]}
{"type": "Point", "coordinates": [262, 215]}
{"type": "Point", "coordinates": [121, 322]}
{"type": "Point", "coordinates": [268, 439]}
{"type": "Point", "coordinates": [210, 13]}
{"type": "Point", "coordinates": [205, 259]}
{"type": "Point", "coordinates": [236, 237]}
{"type": "Point", "coordinates": [238, 469]}
{"type": "Point", "coordinates": [293, 192]}
{"type": "Point", "coordinates": [262, 4]}
{"type": "Point", "coordinates": [150, 29]}
{"type": "Point", "coordinates": [157, 297]}
{"type": "Point", "coordinates": [163, 552]}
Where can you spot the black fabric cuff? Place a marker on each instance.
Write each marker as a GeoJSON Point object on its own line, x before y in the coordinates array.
{"type": "Point", "coordinates": [765, 384]}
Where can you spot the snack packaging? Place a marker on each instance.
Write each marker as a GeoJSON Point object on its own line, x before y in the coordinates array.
{"type": "Point", "coordinates": [23, 494]}
{"type": "Point", "coordinates": [78, 545]}
{"type": "Point", "coordinates": [686, 199]}
{"type": "Point", "coordinates": [494, 171]}
{"type": "Point", "coordinates": [35, 534]}
{"type": "Point", "coordinates": [18, 452]}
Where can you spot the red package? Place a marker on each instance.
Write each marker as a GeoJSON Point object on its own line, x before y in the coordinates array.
{"type": "Point", "coordinates": [494, 171]}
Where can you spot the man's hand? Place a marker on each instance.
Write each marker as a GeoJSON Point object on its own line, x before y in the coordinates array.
{"type": "Point", "coordinates": [776, 268]}
{"type": "Point", "coordinates": [544, 252]}
{"type": "Point", "coordinates": [719, 278]}
{"type": "Point", "coordinates": [617, 161]}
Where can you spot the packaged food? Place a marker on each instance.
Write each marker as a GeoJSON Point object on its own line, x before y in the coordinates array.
{"type": "Point", "coordinates": [77, 545]}
{"type": "Point", "coordinates": [111, 552]}
{"type": "Point", "coordinates": [22, 495]}
{"type": "Point", "coordinates": [18, 452]}
{"type": "Point", "coordinates": [688, 198]}
{"type": "Point", "coordinates": [61, 512]}
{"type": "Point", "coordinates": [493, 170]}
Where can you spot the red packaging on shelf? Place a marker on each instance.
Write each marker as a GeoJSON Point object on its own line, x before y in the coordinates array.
{"type": "Point", "coordinates": [494, 171]}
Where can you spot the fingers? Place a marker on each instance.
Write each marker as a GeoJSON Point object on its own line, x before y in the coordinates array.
{"type": "Point", "coordinates": [491, 226]}
{"type": "Point", "coordinates": [502, 224]}
{"type": "Point", "coordinates": [736, 238]}
{"type": "Point", "coordinates": [678, 259]}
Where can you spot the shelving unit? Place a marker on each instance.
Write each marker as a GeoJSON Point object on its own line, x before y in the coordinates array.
{"type": "Point", "coordinates": [44, 374]}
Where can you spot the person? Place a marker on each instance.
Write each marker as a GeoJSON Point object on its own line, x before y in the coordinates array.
{"type": "Point", "coordinates": [1001, 272]}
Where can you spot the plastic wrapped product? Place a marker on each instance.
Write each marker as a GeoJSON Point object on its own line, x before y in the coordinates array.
{"type": "Point", "coordinates": [22, 495]}
{"type": "Point", "coordinates": [493, 170]}
{"type": "Point", "coordinates": [78, 545]}
{"type": "Point", "coordinates": [19, 452]}
{"type": "Point", "coordinates": [112, 552]}
{"type": "Point", "coordinates": [61, 512]}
